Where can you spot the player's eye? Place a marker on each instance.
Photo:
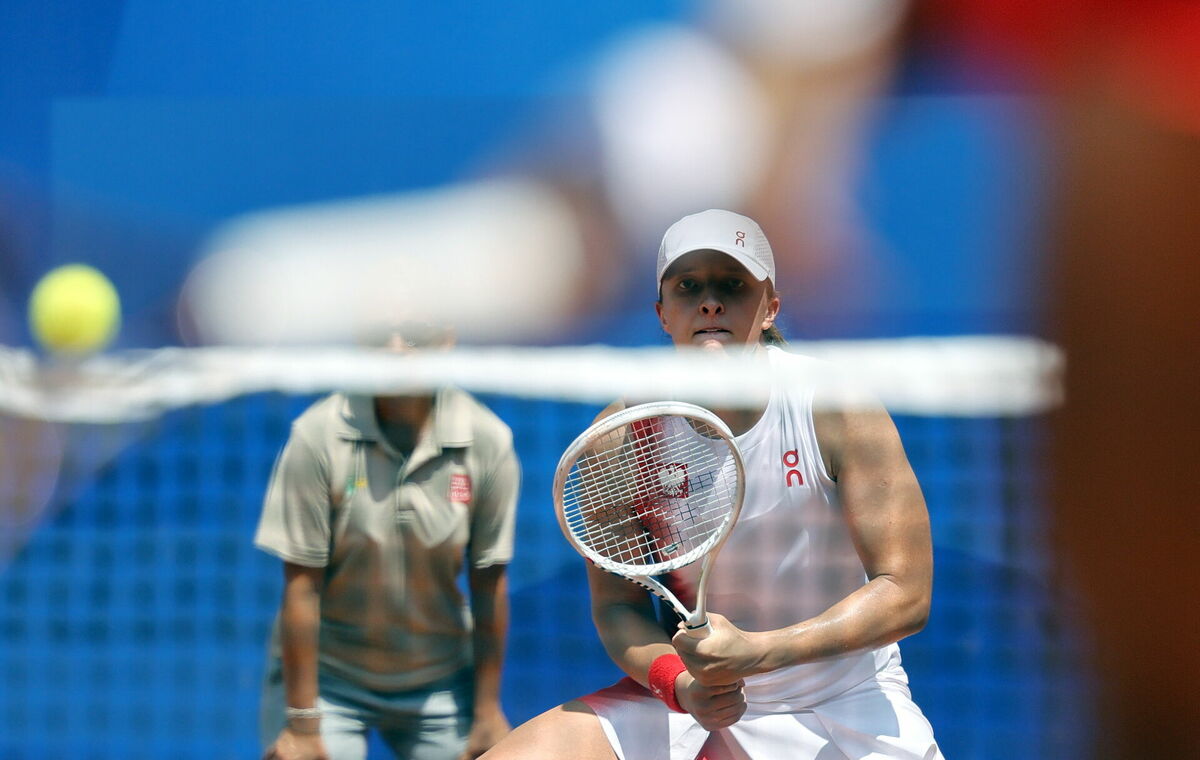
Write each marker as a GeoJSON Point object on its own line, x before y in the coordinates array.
{"type": "Point", "coordinates": [687, 283]}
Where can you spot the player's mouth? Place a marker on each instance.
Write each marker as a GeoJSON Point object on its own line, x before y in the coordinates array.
{"type": "Point", "coordinates": [712, 338]}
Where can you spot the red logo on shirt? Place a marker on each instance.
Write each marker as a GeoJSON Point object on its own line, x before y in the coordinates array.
{"type": "Point", "coordinates": [460, 488]}
{"type": "Point", "coordinates": [791, 460]}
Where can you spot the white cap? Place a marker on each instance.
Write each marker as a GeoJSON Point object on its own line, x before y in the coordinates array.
{"type": "Point", "coordinates": [719, 230]}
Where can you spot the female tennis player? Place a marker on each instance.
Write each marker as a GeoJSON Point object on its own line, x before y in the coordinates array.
{"type": "Point", "coordinates": [829, 564]}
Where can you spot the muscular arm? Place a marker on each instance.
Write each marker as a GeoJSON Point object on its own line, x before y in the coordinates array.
{"type": "Point", "coordinates": [887, 520]}
{"type": "Point", "coordinates": [886, 515]}
{"type": "Point", "coordinates": [625, 620]}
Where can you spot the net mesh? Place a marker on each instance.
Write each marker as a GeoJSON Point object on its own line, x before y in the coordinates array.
{"type": "Point", "coordinates": [651, 495]}
{"type": "Point", "coordinates": [134, 610]}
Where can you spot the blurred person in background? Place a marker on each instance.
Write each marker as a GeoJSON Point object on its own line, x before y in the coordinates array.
{"type": "Point", "coordinates": [761, 106]}
{"type": "Point", "coordinates": [1125, 267]}
{"type": "Point", "coordinates": [374, 506]}
{"type": "Point", "coordinates": [1119, 83]}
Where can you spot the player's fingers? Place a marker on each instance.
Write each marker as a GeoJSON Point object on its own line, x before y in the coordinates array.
{"type": "Point", "coordinates": [731, 710]}
{"type": "Point", "coordinates": [710, 675]}
{"type": "Point", "coordinates": [683, 642]}
{"type": "Point", "coordinates": [728, 700]}
{"type": "Point", "coordinates": [724, 718]}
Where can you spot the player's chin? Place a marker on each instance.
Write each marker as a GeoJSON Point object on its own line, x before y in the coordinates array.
{"type": "Point", "coordinates": [710, 341]}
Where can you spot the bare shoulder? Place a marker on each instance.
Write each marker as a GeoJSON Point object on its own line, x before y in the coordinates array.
{"type": "Point", "coordinates": [852, 428]}
{"type": "Point", "coordinates": [608, 442]}
{"type": "Point", "coordinates": [610, 410]}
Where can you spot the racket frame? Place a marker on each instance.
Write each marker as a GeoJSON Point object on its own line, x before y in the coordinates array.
{"type": "Point", "coordinates": [695, 620]}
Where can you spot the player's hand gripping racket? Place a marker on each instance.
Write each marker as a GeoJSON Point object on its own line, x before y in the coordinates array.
{"type": "Point", "coordinates": [651, 489]}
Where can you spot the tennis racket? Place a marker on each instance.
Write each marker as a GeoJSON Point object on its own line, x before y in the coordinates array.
{"type": "Point", "coordinates": [649, 490]}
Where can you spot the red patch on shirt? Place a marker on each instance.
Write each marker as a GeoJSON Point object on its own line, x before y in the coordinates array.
{"type": "Point", "coordinates": [460, 488]}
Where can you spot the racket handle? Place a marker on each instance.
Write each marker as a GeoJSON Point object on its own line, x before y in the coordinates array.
{"type": "Point", "coordinates": [698, 631]}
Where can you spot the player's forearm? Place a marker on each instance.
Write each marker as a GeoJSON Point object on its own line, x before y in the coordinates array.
{"type": "Point", "coordinates": [632, 638]}
{"type": "Point", "coordinates": [883, 611]}
{"type": "Point", "coordinates": [625, 621]}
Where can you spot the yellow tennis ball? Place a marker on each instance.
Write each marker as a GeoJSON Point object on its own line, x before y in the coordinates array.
{"type": "Point", "coordinates": [74, 309]}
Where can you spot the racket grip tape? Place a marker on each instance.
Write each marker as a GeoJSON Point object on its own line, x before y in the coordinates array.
{"type": "Point", "coordinates": [663, 672]}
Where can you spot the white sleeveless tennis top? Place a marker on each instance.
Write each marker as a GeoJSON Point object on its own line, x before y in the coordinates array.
{"type": "Point", "coordinates": [790, 556]}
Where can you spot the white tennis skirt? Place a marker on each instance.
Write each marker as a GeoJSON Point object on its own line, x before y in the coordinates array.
{"type": "Point", "coordinates": [874, 720]}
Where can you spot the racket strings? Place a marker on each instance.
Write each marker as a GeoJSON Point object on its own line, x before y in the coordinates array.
{"type": "Point", "coordinates": [651, 492]}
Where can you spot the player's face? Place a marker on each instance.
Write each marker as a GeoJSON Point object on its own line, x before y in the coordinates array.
{"type": "Point", "coordinates": [711, 301]}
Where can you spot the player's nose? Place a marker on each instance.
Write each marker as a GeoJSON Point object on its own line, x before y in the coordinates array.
{"type": "Point", "coordinates": [710, 304]}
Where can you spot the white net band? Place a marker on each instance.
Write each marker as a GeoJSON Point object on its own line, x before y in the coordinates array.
{"type": "Point", "coordinates": [957, 376]}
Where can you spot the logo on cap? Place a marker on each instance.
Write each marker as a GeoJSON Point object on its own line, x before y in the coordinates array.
{"type": "Point", "coordinates": [741, 239]}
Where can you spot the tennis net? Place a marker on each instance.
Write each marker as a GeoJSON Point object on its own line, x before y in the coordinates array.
{"type": "Point", "coordinates": [134, 609]}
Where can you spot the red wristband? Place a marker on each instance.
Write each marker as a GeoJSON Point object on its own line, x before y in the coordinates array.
{"type": "Point", "coordinates": [663, 672]}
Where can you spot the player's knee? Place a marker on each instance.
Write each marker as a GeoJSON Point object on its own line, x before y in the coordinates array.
{"type": "Point", "coordinates": [569, 730]}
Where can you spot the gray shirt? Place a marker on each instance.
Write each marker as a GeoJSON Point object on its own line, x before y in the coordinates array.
{"type": "Point", "coordinates": [392, 532]}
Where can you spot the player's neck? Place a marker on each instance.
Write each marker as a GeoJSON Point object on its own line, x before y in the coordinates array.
{"type": "Point", "coordinates": [741, 419]}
